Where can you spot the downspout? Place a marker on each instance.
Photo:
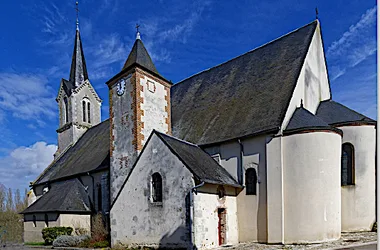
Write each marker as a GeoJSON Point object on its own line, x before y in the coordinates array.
{"type": "Point", "coordinates": [93, 189]}
{"type": "Point", "coordinates": [240, 178]}
{"type": "Point", "coordinates": [282, 188]}
{"type": "Point", "coordinates": [191, 198]}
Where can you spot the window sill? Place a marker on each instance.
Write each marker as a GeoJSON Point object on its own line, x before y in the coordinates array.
{"type": "Point", "coordinates": [156, 203]}
{"type": "Point", "coordinates": [348, 185]}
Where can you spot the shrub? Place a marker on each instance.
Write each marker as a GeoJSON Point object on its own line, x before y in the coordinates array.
{"type": "Point", "coordinates": [81, 231]}
{"type": "Point", "coordinates": [69, 241]}
{"type": "Point", "coordinates": [49, 234]}
{"type": "Point", "coordinates": [101, 244]}
{"type": "Point", "coordinates": [99, 231]}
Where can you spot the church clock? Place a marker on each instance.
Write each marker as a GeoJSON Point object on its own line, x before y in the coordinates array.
{"type": "Point", "coordinates": [120, 87]}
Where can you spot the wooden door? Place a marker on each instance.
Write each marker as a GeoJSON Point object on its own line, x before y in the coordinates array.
{"type": "Point", "coordinates": [222, 226]}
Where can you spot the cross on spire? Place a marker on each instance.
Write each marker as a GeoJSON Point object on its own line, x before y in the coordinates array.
{"type": "Point", "coordinates": [316, 12]}
{"type": "Point", "coordinates": [77, 10]}
{"type": "Point", "coordinates": [137, 31]}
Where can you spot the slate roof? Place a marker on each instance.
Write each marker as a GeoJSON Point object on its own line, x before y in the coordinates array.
{"type": "Point", "coordinates": [78, 70]}
{"type": "Point", "coordinates": [89, 153]}
{"type": "Point", "coordinates": [140, 56]}
{"type": "Point", "coordinates": [303, 119]}
{"type": "Point", "coordinates": [335, 113]}
{"type": "Point", "coordinates": [65, 196]}
{"type": "Point", "coordinates": [198, 161]}
{"type": "Point", "coordinates": [245, 96]}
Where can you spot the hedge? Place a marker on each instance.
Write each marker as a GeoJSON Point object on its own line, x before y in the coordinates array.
{"type": "Point", "coordinates": [49, 234]}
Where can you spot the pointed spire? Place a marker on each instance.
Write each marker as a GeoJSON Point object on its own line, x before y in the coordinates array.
{"type": "Point", "coordinates": [78, 71]}
{"type": "Point", "coordinates": [139, 55]}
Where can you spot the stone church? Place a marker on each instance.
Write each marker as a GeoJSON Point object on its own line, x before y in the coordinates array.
{"type": "Point", "coordinates": [253, 149]}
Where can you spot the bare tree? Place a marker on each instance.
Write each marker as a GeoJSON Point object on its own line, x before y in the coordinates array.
{"type": "Point", "coordinates": [2, 198]}
{"type": "Point", "coordinates": [10, 205]}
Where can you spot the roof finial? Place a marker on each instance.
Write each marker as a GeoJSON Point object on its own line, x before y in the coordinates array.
{"type": "Point", "coordinates": [137, 31]}
{"type": "Point", "coordinates": [316, 12]}
{"type": "Point", "coordinates": [77, 10]}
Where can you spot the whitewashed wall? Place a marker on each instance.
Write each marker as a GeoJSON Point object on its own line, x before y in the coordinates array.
{"type": "Point", "coordinates": [358, 201]}
{"type": "Point", "coordinates": [206, 204]}
{"type": "Point", "coordinates": [311, 182]}
{"type": "Point", "coordinates": [153, 107]}
{"type": "Point", "coordinates": [135, 220]}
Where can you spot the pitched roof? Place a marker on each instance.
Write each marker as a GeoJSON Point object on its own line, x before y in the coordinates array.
{"type": "Point", "coordinates": [65, 196]}
{"type": "Point", "coordinates": [198, 161]}
{"type": "Point", "coordinates": [89, 153]}
{"type": "Point", "coordinates": [244, 96]}
{"type": "Point", "coordinates": [303, 119]}
{"type": "Point", "coordinates": [139, 55]}
{"type": "Point", "coordinates": [335, 113]}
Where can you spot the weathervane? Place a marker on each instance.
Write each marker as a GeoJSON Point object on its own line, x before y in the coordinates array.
{"type": "Point", "coordinates": [316, 12]}
{"type": "Point", "coordinates": [137, 31]}
{"type": "Point", "coordinates": [77, 10]}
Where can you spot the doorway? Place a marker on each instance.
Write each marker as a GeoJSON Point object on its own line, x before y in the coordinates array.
{"type": "Point", "coordinates": [222, 226]}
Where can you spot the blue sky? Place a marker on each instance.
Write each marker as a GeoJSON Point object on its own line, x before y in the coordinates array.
{"type": "Point", "coordinates": [183, 38]}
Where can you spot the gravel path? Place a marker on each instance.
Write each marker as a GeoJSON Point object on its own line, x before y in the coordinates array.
{"type": "Point", "coordinates": [347, 240]}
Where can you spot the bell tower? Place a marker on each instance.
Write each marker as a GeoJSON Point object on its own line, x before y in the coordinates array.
{"type": "Point", "coordinates": [78, 103]}
{"type": "Point", "coordinates": [139, 100]}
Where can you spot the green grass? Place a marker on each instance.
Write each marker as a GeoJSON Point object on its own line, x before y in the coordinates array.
{"type": "Point", "coordinates": [34, 243]}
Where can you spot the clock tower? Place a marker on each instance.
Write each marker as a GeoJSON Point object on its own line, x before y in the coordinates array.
{"type": "Point", "coordinates": [139, 99]}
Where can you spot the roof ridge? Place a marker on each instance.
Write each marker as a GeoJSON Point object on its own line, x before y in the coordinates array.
{"type": "Point", "coordinates": [250, 51]}
{"type": "Point", "coordinates": [314, 115]}
{"type": "Point", "coordinates": [356, 112]}
{"type": "Point", "coordinates": [175, 138]}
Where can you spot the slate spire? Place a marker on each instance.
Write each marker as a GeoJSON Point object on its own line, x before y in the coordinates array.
{"type": "Point", "coordinates": [78, 71]}
{"type": "Point", "coordinates": [139, 55]}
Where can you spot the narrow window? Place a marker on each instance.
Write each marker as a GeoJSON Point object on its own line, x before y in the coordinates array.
{"type": "Point", "coordinates": [46, 220]}
{"type": "Point", "coordinates": [348, 166]}
{"type": "Point", "coordinates": [99, 197]}
{"type": "Point", "coordinates": [66, 107]}
{"type": "Point", "coordinates": [156, 187]}
{"type": "Point", "coordinates": [250, 181]}
{"type": "Point", "coordinates": [89, 112]}
{"type": "Point", "coordinates": [84, 111]}
{"type": "Point", "coordinates": [34, 221]}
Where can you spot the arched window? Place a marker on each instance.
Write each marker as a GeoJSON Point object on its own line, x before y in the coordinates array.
{"type": "Point", "coordinates": [46, 220]}
{"type": "Point", "coordinates": [156, 187]}
{"type": "Point", "coordinates": [250, 181]}
{"type": "Point", "coordinates": [84, 110]}
{"type": "Point", "coordinates": [348, 165]}
{"type": "Point", "coordinates": [34, 221]}
{"type": "Point", "coordinates": [89, 112]}
{"type": "Point", "coordinates": [66, 107]}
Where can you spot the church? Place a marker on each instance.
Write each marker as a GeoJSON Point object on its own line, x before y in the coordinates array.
{"type": "Point", "coordinates": [252, 150]}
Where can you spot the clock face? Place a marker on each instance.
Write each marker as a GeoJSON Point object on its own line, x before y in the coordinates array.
{"type": "Point", "coordinates": [120, 87]}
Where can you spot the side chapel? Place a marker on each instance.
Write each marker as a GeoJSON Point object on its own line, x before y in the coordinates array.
{"type": "Point", "coordinates": [253, 149]}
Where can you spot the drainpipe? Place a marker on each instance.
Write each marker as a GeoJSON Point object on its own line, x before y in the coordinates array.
{"type": "Point", "coordinates": [93, 188]}
{"type": "Point", "coordinates": [240, 178]}
{"type": "Point", "coordinates": [191, 198]}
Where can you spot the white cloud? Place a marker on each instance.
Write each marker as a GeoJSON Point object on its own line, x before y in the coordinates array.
{"type": "Point", "coordinates": [27, 96]}
{"type": "Point", "coordinates": [24, 164]}
{"type": "Point", "coordinates": [355, 45]}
